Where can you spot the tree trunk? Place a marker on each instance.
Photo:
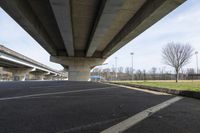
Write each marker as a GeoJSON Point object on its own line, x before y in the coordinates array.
{"type": "Point", "coordinates": [177, 76]}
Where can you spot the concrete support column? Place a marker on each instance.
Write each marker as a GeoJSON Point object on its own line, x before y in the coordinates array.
{"type": "Point", "coordinates": [41, 77]}
{"type": "Point", "coordinates": [78, 68]}
{"type": "Point", "coordinates": [56, 77]}
{"type": "Point", "coordinates": [49, 76]}
{"type": "Point", "coordinates": [19, 74]}
{"type": "Point", "coordinates": [79, 72]}
{"type": "Point", "coordinates": [38, 75]}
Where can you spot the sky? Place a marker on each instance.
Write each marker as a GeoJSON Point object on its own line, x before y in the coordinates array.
{"type": "Point", "coordinates": [182, 26]}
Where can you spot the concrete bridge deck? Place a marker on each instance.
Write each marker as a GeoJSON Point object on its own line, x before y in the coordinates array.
{"type": "Point", "coordinates": [21, 65]}
{"type": "Point", "coordinates": [81, 34]}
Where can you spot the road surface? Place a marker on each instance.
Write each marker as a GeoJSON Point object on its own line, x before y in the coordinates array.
{"type": "Point", "coordinates": [87, 107]}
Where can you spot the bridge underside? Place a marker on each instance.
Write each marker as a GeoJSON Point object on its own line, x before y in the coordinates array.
{"type": "Point", "coordinates": [86, 29]}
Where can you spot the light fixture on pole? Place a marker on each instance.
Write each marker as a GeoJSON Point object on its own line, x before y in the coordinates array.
{"type": "Point", "coordinates": [132, 65]}
{"type": "Point", "coordinates": [116, 68]}
{"type": "Point", "coordinates": [196, 53]}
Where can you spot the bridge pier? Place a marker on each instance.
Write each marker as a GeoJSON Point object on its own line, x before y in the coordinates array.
{"type": "Point", "coordinates": [78, 68]}
{"type": "Point", "coordinates": [49, 76]}
{"type": "Point", "coordinates": [78, 73]}
{"type": "Point", "coordinates": [19, 74]}
{"type": "Point", "coordinates": [38, 75]}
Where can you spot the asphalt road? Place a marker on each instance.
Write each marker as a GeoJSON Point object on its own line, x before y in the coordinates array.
{"type": "Point", "coordinates": [87, 107]}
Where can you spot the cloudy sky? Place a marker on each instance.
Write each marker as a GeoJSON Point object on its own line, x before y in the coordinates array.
{"type": "Point", "coordinates": [182, 25]}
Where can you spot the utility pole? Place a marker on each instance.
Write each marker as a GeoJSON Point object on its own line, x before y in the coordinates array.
{"type": "Point", "coordinates": [196, 53]}
{"type": "Point", "coordinates": [116, 68]}
{"type": "Point", "coordinates": [113, 72]}
{"type": "Point", "coordinates": [132, 65]}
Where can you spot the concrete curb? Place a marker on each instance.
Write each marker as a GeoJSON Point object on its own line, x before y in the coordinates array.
{"type": "Point", "coordinates": [185, 93]}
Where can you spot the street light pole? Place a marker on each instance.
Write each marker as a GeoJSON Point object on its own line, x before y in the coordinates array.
{"type": "Point", "coordinates": [197, 61]}
{"type": "Point", "coordinates": [132, 64]}
{"type": "Point", "coordinates": [113, 72]}
{"type": "Point", "coordinates": [116, 68]}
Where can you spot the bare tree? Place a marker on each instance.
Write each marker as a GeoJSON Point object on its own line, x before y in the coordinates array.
{"type": "Point", "coordinates": [120, 69]}
{"type": "Point", "coordinates": [177, 55]}
{"type": "Point", "coordinates": [190, 71]}
{"type": "Point", "coordinates": [127, 70]}
{"type": "Point", "coordinates": [153, 72]}
{"type": "Point", "coordinates": [138, 74]}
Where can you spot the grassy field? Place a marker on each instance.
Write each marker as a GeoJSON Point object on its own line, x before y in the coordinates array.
{"type": "Point", "coordinates": [182, 85]}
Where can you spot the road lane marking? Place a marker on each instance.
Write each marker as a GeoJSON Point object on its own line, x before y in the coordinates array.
{"type": "Point", "coordinates": [54, 93]}
{"type": "Point", "coordinates": [131, 121]}
{"type": "Point", "coordinates": [33, 87]}
{"type": "Point", "coordinates": [55, 86]}
{"type": "Point", "coordinates": [52, 86]}
{"type": "Point", "coordinates": [133, 88]}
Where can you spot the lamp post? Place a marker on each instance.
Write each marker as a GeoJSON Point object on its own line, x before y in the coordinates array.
{"type": "Point", "coordinates": [196, 53]}
{"type": "Point", "coordinates": [132, 65]}
{"type": "Point", "coordinates": [116, 68]}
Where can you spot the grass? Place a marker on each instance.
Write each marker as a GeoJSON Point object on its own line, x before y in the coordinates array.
{"type": "Point", "coordinates": [181, 85]}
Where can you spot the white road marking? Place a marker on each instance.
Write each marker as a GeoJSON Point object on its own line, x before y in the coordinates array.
{"type": "Point", "coordinates": [32, 87]}
{"type": "Point", "coordinates": [56, 86]}
{"type": "Point", "coordinates": [52, 86]}
{"type": "Point", "coordinates": [53, 93]}
{"type": "Point", "coordinates": [133, 88]}
{"type": "Point", "coordinates": [126, 124]}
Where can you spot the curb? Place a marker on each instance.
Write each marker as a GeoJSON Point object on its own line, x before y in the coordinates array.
{"type": "Point", "coordinates": [191, 94]}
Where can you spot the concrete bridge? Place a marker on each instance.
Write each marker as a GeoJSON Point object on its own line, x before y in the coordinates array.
{"type": "Point", "coordinates": [21, 66]}
{"type": "Point", "coordinates": [80, 34]}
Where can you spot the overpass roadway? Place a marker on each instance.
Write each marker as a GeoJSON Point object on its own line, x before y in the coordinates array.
{"type": "Point", "coordinates": [21, 66]}
{"type": "Point", "coordinates": [80, 34]}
